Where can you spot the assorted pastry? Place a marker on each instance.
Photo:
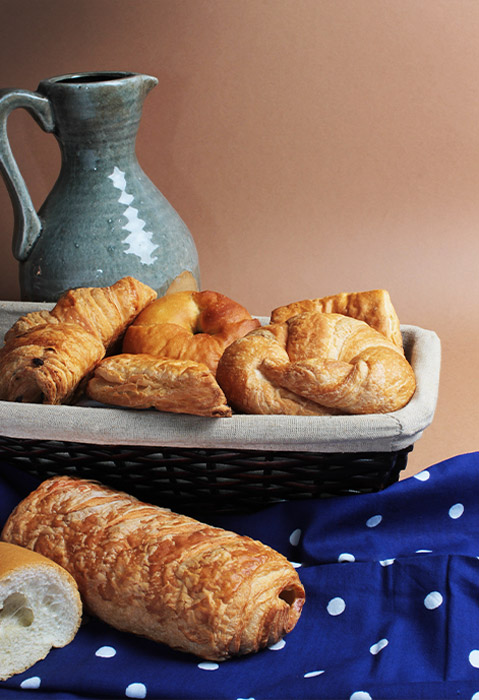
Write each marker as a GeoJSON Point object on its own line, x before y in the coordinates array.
{"type": "Point", "coordinates": [145, 570]}
{"type": "Point", "coordinates": [200, 352]}
{"type": "Point", "coordinates": [48, 355]}
{"type": "Point", "coordinates": [139, 567]}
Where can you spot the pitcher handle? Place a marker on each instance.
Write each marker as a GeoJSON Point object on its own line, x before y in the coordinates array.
{"type": "Point", "coordinates": [27, 224]}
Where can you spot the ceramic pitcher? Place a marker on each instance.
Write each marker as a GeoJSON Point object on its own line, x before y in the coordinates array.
{"type": "Point", "coordinates": [104, 218]}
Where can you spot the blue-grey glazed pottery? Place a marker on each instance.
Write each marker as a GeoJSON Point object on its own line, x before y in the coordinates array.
{"type": "Point", "coordinates": [104, 218]}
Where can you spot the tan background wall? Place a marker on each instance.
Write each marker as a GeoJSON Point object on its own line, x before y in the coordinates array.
{"type": "Point", "coordinates": [311, 146]}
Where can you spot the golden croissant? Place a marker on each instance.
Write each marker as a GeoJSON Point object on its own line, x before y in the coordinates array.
{"type": "Point", "coordinates": [168, 577]}
{"type": "Point", "coordinates": [316, 363]}
{"type": "Point", "coordinates": [48, 354]}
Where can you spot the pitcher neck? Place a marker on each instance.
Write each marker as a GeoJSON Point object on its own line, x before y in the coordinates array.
{"type": "Point", "coordinates": [93, 110]}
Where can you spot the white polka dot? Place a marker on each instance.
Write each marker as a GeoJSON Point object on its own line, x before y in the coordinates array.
{"type": "Point", "coordinates": [423, 551]}
{"type": "Point", "coordinates": [360, 695]}
{"type": "Point", "coordinates": [456, 511]}
{"type": "Point", "coordinates": [374, 521]}
{"type": "Point", "coordinates": [105, 652]}
{"type": "Point", "coordinates": [295, 536]}
{"type": "Point", "coordinates": [422, 476]}
{"type": "Point", "coordinates": [376, 648]}
{"type": "Point", "coordinates": [474, 658]}
{"type": "Point", "coordinates": [208, 666]}
{"type": "Point", "coordinates": [336, 606]}
{"type": "Point", "coordinates": [345, 556]}
{"type": "Point", "coordinates": [433, 600]}
{"type": "Point", "coordinates": [279, 645]}
{"type": "Point", "coordinates": [136, 690]}
{"type": "Point", "coordinates": [296, 564]}
{"type": "Point", "coordinates": [475, 696]}
{"type": "Point", "coordinates": [313, 674]}
{"type": "Point", "coordinates": [31, 683]}
{"type": "Point", "coordinates": [387, 562]}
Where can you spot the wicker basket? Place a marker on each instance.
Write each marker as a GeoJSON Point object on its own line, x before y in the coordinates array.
{"type": "Point", "coordinates": [208, 480]}
{"type": "Point", "coordinates": [194, 464]}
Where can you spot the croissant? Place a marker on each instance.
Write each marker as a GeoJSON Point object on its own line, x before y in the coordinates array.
{"type": "Point", "coordinates": [146, 570]}
{"type": "Point", "coordinates": [374, 307]}
{"type": "Point", "coordinates": [144, 381]}
{"type": "Point", "coordinates": [316, 363]}
{"type": "Point", "coordinates": [241, 375]}
{"type": "Point", "coordinates": [103, 311]}
{"type": "Point", "coordinates": [48, 355]}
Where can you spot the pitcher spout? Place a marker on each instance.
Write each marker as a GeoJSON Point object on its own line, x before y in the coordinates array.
{"type": "Point", "coordinates": [149, 82]}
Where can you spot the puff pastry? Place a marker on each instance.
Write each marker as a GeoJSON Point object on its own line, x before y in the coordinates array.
{"type": "Point", "coordinates": [189, 325]}
{"type": "Point", "coordinates": [144, 381]}
{"type": "Point", "coordinates": [374, 307]}
{"type": "Point", "coordinates": [102, 311]}
{"type": "Point", "coordinates": [48, 355]}
{"type": "Point", "coordinates": [146, 570]}
{"type": "Point", "coordinates": [325, 362]}
{"type": "Point", "coordinates": [48, 363]}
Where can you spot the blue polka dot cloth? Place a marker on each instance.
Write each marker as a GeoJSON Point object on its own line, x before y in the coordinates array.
{"type": "Point", "coordinates": [391, 612]}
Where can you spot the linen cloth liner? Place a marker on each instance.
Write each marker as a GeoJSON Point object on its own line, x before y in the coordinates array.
{"type": "Point", "coordinates": [94, 424]}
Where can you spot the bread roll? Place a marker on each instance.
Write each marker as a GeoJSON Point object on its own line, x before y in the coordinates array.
{"type": "Point", "coordinates": [168, 577]}
{"type": "Point", "coordinates": [189, 326]}
{"type": "Point", "coordinates": [40, 608]}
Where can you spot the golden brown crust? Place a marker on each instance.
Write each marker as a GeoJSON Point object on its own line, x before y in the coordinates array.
{"type": "Point", "coordinates": [13, 557]}
{"type": "Point", "coordinates": [105, 311]}
{"type": "Point", "coordinates": [329, 361]}
{"type": "Point", "coordinates": [143, 381]}
{"type": "Point", "coordinates": [146, 570]}
{"type": "Point", "coordinates": [248, 390]}
{"type": "Point", "coordinates": [47, 363]}
{"type": "Point", "coordinates": [27, 322]}
{"type": "Point", "coordinates": [102, 311]}
{"type": "Point", "coordinates": [189, 326]}
{"type": "Point", "coordinates": [48, 355]}
{"type": "Point", "coordinates": [374, 307]}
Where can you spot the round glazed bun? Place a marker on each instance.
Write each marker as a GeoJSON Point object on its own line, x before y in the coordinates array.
{"type": "Point", "coordinates": [189, 325]}
{"type": "Point", "coordinates": [40, 608]}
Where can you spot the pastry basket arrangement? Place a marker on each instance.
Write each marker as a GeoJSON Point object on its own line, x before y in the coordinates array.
{"type": "Point", "coordinates": [195, 464]}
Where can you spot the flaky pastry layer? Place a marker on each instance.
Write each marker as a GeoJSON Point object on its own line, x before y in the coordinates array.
{"type": "Point", "coordinates": [146, 570]}
{"type": "Point", "coordinates": [316, 363]}
{"type": "Point", "coordinates": [143, 381]}
{"type": "Point", "coordinates": [374, 307]}
{"type": "Point", "coordinates": [49, 355]}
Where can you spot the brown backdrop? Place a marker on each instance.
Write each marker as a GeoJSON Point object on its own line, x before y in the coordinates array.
{"type": "Point", "coordinates": [311, 147]}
